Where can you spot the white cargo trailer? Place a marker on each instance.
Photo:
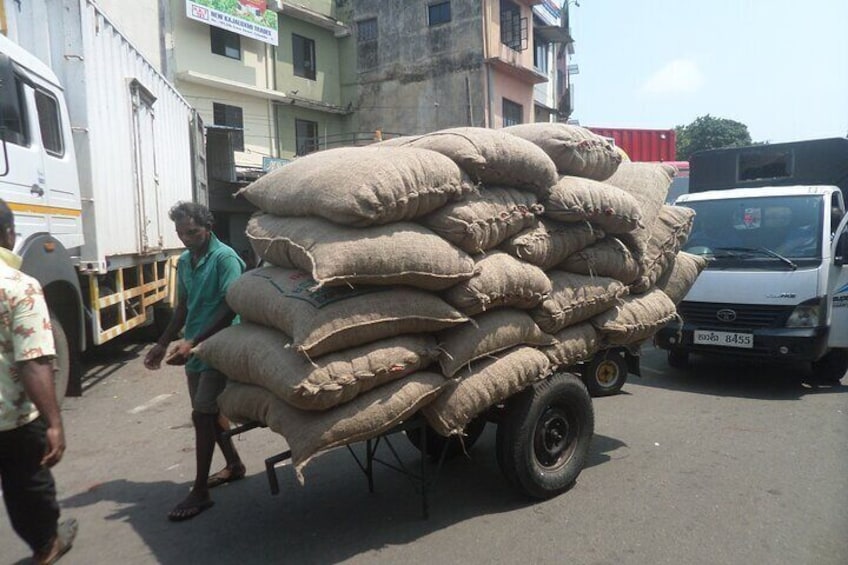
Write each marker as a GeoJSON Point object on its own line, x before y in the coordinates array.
{"type": "Point", "coordinates": [96, 147]}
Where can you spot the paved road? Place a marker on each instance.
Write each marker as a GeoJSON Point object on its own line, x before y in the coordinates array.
{"type": "Point", "coordinates": [727, 463]}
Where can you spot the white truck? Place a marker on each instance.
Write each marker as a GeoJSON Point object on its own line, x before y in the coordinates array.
{"type": "Point", "coordinates": [95, 147]}
{"type": "Point", "coordinates": [771, 222]}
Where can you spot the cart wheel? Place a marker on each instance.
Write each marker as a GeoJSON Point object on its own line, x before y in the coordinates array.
{"type": "Point", "coordinates": [606, 373]}
{"type": "Point", "coordinates": [544, 438]}
{"type": "Point", "coordinates": [678, 359]}
{"type": "Point", "coordinates": [455, 446]}
{"type": "Point", "coordinates": [832, 367]}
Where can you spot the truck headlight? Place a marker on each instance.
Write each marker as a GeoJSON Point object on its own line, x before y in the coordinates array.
{"type": "Point", "coordinates": [808, 314]}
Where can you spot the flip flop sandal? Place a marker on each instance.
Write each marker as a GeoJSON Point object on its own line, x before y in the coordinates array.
{"type": "Point", "coordinates": [65, 534]}
{"type": "Point", "coordinates": [218, 479]}
{"type": "Point", "coordinates": [181, 513]}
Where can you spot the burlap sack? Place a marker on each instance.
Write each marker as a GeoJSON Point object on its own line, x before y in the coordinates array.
{"type": "Point", "coordinates": [550, 242]}
{"type": "Point", "coordinates": [635, 318]}
{"type": "Point", "coordinates": [502, 280]}
{"type": "Point", "coordinates": [400, 253]}
{"type": "Point", "coordinates": [307, 433]}
{"type": "Point", "coordinates": [607, 258]}
{"type": "Point", "coordinates": [492, 382]}
{"type": "Point", "coordinates": [647, 183]}
{"type": "Point", "coordinates": [482, 221]}
{"type": "Point", "coordinates": [253, 354]}
{"type": "Point", "coordinates": [575, 150]}
{"type": "Point", "coordinates": [680, 275]}
{"type": "Point", "coordinates": [573, 344]}
{"type": "Point", "coordinates": [575, 199]}
{"type": "Point", "coordinates": [668, 234]}
{"type": "Point", "coordinates": [360, 186]}
{"type": "Point", "coordinates": [492, 157]}
{"type": "Point", "coordinates": [332, 319]}
{"type": "Point", "coordinates": [488, 334]}
{"type": "Point", "coordinates": [576, 298]}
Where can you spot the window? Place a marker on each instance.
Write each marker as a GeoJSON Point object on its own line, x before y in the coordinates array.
{"type": "Point", "coordinates": [303, 53]}
{"type": "Point", "coordinates": [225, 42]}
{"type": "Point", "coordinates": [306, 136]}
{"type": "Point", "coordinates": [540, 55]}
{"type": "Point", "coordinates": [230, 117]}
{"type": "Point", "coordinates": [439, 13]}
{"type": "Point", "coordinates": [366, 30]}
{"type": "Point", "coordinates": [513, 27]}
{"type": "Point", "coordinates": [513, 113]}
{"type": "Point", "coordinates": [49, 123]}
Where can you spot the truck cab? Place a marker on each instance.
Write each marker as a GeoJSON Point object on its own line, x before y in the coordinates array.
{"type": "Point", "coordinates": [775, 287]}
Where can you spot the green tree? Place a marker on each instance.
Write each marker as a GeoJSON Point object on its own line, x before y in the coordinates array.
{"type": "Point", "coordinates": [707, 132]}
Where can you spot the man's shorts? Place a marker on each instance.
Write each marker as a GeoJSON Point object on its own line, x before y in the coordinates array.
{"type": "Point", "coordinates": [204, 388]}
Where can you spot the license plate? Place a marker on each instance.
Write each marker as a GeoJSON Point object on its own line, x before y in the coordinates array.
{"type": "Point", "coordinates": [724, 339]}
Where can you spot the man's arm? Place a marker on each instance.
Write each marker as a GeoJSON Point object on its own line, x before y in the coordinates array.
{"type": "Point", "coordinates": [37, 379]}
{"type": "Point", "coordinates": [222, 318]}
{"type": "Point", "coordinates": [153, 359]}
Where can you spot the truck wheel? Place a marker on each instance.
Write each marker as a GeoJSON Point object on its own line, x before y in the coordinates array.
{"type": "Point", "coordinates": [678, 359]}
{"type": "Point", "coordinates": [544, 438]}
{"type": "Point", "coordinates": [62, 363]}
{"type": "Point", "coordinates": [455, 446]}
{"type": "Point", "coordinates": [606, 373]}
{"type": "Point", "coordinates": [832, 367]}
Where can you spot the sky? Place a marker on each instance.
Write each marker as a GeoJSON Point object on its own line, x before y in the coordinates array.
{"type": "Point", "coordinates": [778, 66]}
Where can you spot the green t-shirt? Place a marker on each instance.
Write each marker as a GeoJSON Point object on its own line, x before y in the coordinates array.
{"type": "Point", "coordinates": [203, 288]}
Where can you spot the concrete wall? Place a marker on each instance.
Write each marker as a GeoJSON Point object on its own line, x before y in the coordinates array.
{"type": "Point", "coordinates": [516, 91]}
{"type": "Point", "coordinates": [138, 21]}
{"type": "Point", "coordinates": [414, 78]}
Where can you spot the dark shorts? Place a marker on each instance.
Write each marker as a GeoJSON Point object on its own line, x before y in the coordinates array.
{"type": "Point", "coordinates": [204, 388]}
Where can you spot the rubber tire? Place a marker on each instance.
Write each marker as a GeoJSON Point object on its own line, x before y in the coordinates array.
{"type": "Point", "coordinates": [455, 446]}
{"type": "Point", "coordinates": [536, 457]}
{"type": "Point", "coordinates": [606, 373]}
{"type": "Point", "coordinates": [678, 359]}
{"type": "Point", "coordinates": [832, 367]}
{"type": "Point", "coordinates": [62, 363]}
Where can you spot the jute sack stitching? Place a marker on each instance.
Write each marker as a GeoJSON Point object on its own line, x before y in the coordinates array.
{"type": "Point", "coordinates": [308, 433]}
{"type": "Point", "coordinates": [575, 199]}
{"type": "Point", "coordinates": [573, 344]}
{"type": "Point", "coordinates": [551, 242]}
{"type": "Point", "coordinates": [360, 186]}
{"type": "Point", "coordinates": [636, 318]}
{"type": "Point", "coordinates": [492, 332]}
{"type": "Point", "coordinates": [648, 183]}
{"type": "Point", "coordinates": [607, 258]}
{"type": "Point", "coordinates": [482, 221]}
{"type": "Point", "coordinates": [575, 150]}
{"type": "Point", "coordinates": [400, 253]}
{"type": "Point", "coordinates": [253, 354]}
{"type": "Point", "coordinates": [493, 157]}
{"type": "Point", "coordinates": [502, 280]}
{"type": "Point", "coordinates": [668, 234]}
{"type": "Point", "coordinates": [474, 391]}
{"type": "Point", "coordinates": [335, 318]}
{"type": "Point", "coordinates": [680, 275]}
{"type": "Point", "coordinates": [576, 298]}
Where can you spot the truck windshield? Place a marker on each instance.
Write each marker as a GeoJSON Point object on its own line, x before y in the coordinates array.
{"type": "Point", "coordinates": [774, 232]}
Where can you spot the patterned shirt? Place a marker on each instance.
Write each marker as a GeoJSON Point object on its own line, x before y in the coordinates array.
{"type": "Point", "coordinates": [25, 333]}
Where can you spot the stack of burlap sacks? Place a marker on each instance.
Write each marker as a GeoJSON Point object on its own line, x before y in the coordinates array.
{"type": "Point", "coordinates": [442, 273]}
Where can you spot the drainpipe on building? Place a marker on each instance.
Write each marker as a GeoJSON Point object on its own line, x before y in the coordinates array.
{"type": "Point", "coordinates": [487, 87]}
{"type": "Point", "coordinates": [271, 84]}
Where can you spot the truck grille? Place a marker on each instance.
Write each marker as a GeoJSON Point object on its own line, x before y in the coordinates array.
{"type": "Point", "coordinates": [748, 316]}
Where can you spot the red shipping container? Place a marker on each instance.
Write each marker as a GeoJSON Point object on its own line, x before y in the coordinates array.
{"type": "Point", "coordinates": [643, 144]}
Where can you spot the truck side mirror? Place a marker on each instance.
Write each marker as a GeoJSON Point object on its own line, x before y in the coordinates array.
{"type": "Point", "coordinates": [10, 111]}
{"type": "Point", "coordinates": [840, 258]}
